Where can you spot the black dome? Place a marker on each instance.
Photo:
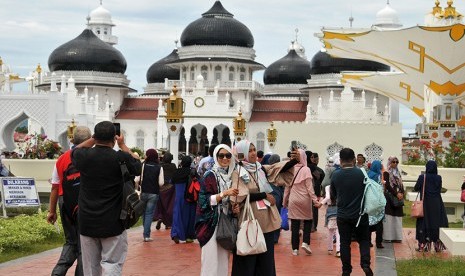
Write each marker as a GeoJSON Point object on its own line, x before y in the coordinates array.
{"type": "Point", "coordinates": [159, 70]}
{"type": "Point", "coordinates": [217, 27]}
{"type": "Point", "coordinates": [323, 63]}
{"type": "Point", "coordinates": [290, 69]}
{"type": "Point", "coordinates": [87, 53]}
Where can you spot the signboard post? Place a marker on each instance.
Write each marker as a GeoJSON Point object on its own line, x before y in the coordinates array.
{"type": "Point", "coordinates": [19, 192]}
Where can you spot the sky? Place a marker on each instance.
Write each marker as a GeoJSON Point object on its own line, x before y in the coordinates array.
{"type": "Point", "coordinates": [30, 30]}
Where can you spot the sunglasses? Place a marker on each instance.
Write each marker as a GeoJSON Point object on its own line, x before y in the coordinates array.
{"type": "Point", "coordinates": [395, 162]}
{"type": "Point", "coordinates": [223, 155]}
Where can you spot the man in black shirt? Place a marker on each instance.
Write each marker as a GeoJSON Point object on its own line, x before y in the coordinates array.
{"type": "Point", "coordinates": [347, 184]}
{"type": "Point", "coordinates": [318, 175]}
{"type": "Point", "coordinates": [104, 241]}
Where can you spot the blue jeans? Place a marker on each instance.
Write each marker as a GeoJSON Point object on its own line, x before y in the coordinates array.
{"type": "Point", "coordinates": [151, 204]}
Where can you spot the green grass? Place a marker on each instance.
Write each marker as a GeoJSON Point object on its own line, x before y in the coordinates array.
{"type": "Point", "coordinates": [409, 222]}
{"type": "Point", "coordinates": [431, 266]}
{"type": "Point", "coordinates": [34, 248]}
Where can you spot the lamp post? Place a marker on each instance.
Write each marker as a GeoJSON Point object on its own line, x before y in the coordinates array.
{"type": "Point", "coordinates": [174, 107]}
{"type": "Point", "coordinates": [239, 126]}
{"type": "Point", "coordinates": [70, 131]}
{"type": "Point", "coordinates": [272, 135]}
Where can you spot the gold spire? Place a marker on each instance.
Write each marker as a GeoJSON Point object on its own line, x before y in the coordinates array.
{"type": "Point", "coordinates": [1, 61]}
{"type": "Point", "coordinates": [39, 69]}
{"type": "Point", "coordinates": [450, 11]}
{"type": "Point", "coordinates": [437, 10]}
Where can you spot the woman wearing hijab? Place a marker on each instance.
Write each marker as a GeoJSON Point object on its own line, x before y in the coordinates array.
{"type": "Point", "coordinates": [298, 198]}
{"type": "Point", "coordinates": [164, 210]}
{"type": "Point", "coordinates": [427, 227]}
{"type": "Point", "coordinates": [215, 189]}
{"type": "Point", "coordinates": [183, 211]}
{"type": "Point", "coordinates": [375, 174]}
{"type": "Point", "coordinates": [252, 180]}
{"type": "Point", "coordinates": [392, 223]}
{"type": "Point", "coordinates": [151, 180]}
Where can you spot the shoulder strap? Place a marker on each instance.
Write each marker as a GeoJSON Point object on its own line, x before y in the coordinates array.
{"type": "Point", "coordinates": [295, 176]}
{"type": "Point", "coordinates": [363, 197]}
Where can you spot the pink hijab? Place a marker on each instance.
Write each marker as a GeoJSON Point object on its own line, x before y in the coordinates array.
{"type": "Point", "coordinates": [301, 169]}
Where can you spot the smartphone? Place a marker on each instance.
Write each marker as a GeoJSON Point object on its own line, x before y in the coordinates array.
{"type": "Point", "coordinates": [117, 129]}
{"type": "Point", "coordinates": [240, 156]}
{"type": "Point", "coordinates": [293, 145]}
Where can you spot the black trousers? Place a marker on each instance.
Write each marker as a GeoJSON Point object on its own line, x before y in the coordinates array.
{"type": "Point", "coordinates": [378, 228]}
{"type": "Point", "coordinates": [256, 265]}
{"type": "Point", "coordinates": [71, 249]}
{"type": "Point", "coordinates": [315, 217]}
{"type": "Point", "coordinates": [362, 234]}
{"type": "Point", "coordinates": [295, 227]}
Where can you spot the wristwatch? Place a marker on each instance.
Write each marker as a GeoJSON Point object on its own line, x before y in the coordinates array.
{"type": "Point", "coordinates": [221, 195]}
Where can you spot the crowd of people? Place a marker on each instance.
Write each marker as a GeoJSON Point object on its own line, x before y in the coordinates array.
{"type": "Point", "coordinates": [229, 177]}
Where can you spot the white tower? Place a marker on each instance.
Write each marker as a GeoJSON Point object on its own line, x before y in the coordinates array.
{"type": "Point", "coordinates": [99, 21]}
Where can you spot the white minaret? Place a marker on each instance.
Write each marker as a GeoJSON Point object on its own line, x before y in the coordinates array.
{"type": "Point", "coordinates": [99, 21]}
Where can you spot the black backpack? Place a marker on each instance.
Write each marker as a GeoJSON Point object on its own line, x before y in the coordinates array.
{"type": "Point", "coordinates": [70, 184]}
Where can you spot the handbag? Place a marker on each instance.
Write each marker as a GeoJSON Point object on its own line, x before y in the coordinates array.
{"type": "Point", "coordinates": [394, 200]}
{"type": "Point", "coordinates": [462, 197]}
{"type": "Point", "coordinates": [250, 239]}
{"type": "Point", "coordinates": [226, 233]}
{"type": "Point", "coordinates": [284, 219]}
{"type": "Point", "coordinates": [416, 210]}
{"type": "Point", "coordinates": [132, 207]}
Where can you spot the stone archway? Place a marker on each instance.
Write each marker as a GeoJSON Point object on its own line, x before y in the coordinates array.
{"type": "Point", "coordinates": [9, 130]}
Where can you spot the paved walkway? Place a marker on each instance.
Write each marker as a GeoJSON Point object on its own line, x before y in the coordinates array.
{"type": "Point", "coordinates": [163, 257]}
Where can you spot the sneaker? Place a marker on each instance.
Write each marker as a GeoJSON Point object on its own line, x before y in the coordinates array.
{"type": "Point", "coordinates": [148, 239]}
{"type": "Point", "coordinates": [338, 254]}
{"type": "Point", "coordinates": [295, 252]}
{"type": "Point", "coordinates": [189, 240]}
{"type": "Point", "coordinates": [306, 248]}
{"type": "Point", "coordinates": [330, 252]}
{"type": "Point", "coordinates": [158, 226]}
{"type": "Point", "coordinates": [175, 239]}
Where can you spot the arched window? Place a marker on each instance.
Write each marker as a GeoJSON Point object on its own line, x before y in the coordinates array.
{"type": "Point", "coordinates": [373, 152]}
{"type": "Point", "coordinates": [217, 72]}
{"type": "Point", "coordinates": [260, 141]}
{"type": "Point", "coordinates": [98, 30]}
{"type": "Point", "coordinates": [204, 72]}
{"type": "Point", "coordinates": [140, 139]}
{"type": "Point", "coordinates": [105, 31]}
{"type": "Point", "coordinates": [192, 73]}
{"type": "Point", "coordinates": [333, 148]}
{"type": "Point", "coordinates": [242, 75]}
{"type": "Point", "coordinates": [184, 73]}
{"type": "Point", "coordinates": [231, 73]}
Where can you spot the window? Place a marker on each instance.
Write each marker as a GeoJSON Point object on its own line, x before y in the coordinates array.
{"type": "Point", "coordinates": [140, 139]}
{"type": "Point", "coordinates": [98, 30]}
{"type": "Point", "coordinates": [242, 75]}
{"type": "Point", "coordinates": [105, 31]}
{"type": "Point", "coordinates": [261, 141]}
{"type": "Point", "coordinates": [231, 73]}
{"type": "Point", "coordinates": [204, 72]}
{"type": "Point", "coordinates": [192, 73]}
{"type": "Point", "coordinates": [218, 72]}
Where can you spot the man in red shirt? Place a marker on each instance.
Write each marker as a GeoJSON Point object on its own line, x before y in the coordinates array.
{"type": "Point", "coordinates": [71, 249]}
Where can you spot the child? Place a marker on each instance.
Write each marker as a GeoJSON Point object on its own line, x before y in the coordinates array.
{"type": "Point", "coordinates": [330, 222]}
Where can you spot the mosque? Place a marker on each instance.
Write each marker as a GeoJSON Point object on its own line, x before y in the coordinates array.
{"type": "Point", "coordinates": [213, 71]}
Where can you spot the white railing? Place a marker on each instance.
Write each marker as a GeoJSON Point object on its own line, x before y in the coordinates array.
{"type": "Point", "coordinates": [229, 85]}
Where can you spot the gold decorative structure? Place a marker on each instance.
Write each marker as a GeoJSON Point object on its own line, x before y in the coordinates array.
{"type": "Point", "coordinates": [70, 131]}
{"type": "Point", "coordinates": [272, 135]}
{"type": "Point", "coordinates": [239, 126]}
{"type": "Point", "coordinates": [175, 107]}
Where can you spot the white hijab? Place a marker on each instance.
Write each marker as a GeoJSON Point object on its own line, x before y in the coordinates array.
{"type": "Point", "coordinates": [224, 174]}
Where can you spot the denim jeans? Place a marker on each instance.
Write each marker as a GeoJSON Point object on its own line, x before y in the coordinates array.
{"type": "Point", "coordinates": [151, 203]}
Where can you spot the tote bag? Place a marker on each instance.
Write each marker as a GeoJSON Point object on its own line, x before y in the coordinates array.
{"type": "Point", "coordinates": [416, 210]}
{"type": "Point", "coordinates": [250, 239]}
{"type": "Point", "coordinates": [226, 233]}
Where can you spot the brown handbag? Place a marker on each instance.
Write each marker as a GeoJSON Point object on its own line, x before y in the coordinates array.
{"type": "Point", "coordinates": [416, 210]}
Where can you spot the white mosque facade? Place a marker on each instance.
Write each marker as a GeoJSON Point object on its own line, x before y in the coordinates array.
{"type": "Point", "coordinates": [214, 75]}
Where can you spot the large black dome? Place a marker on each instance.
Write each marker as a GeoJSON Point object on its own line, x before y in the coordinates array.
{"type": "Point", "coordinates": [323, 63]}
{"type": "Point", "coordinates": [217, 27]}
{"type": "Point", "coordinates": [87, 53]}
{"type": "Point", "coordinates": [291, 69]}
{"type": "Point", "coordinates": [159, 70]}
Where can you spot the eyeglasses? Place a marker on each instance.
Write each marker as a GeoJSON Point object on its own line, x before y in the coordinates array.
{"type": "Point", "coordinates": [395, 162]}
{"type": "Point", "coordinates": [223, 155]}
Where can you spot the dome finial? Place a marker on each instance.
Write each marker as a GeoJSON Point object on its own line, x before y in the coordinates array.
{"type": "Point", "coordinates": [176, 43]}
{"type": "Point", "coordinates": [296, 34]}
{"type": "Point", "coordinates": [101, 2]}
{"type": "Point", "coordinates": [351, 18]}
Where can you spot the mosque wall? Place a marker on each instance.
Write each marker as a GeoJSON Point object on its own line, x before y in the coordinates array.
{"type": "Point", "coordinates": [318, 136]}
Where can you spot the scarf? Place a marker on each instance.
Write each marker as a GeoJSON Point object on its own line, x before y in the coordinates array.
{"type": "Point", "coordinates": [223, 174]}
{"type": "Point", "coordinates": [253, 170]}
{"type": "Point", "coordinates": [303, 172]}
{"type": "Point", "coordinates": [375, 171]}
{"type": "Point", "coordinates": [395, 178]}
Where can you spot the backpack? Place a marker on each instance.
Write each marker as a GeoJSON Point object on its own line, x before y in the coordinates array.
{"type": "Point", "coordinates": [373, 200]}
{"type": "Point", "coordinates": [70, 184]}
{"type": "Point", "coordinates": [191, 194]}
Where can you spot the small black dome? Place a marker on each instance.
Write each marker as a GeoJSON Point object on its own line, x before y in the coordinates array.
{"type": "Point", "coordinates": [87, 53]}
{"type": "Point", "coordinates": [291, 69]}
{"type": "Point", "coordinates": [159, 70]}
{"type": "Point", "coordinates": [323, 63]}
{"type": "Point", "coordinates": [217, 27]}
